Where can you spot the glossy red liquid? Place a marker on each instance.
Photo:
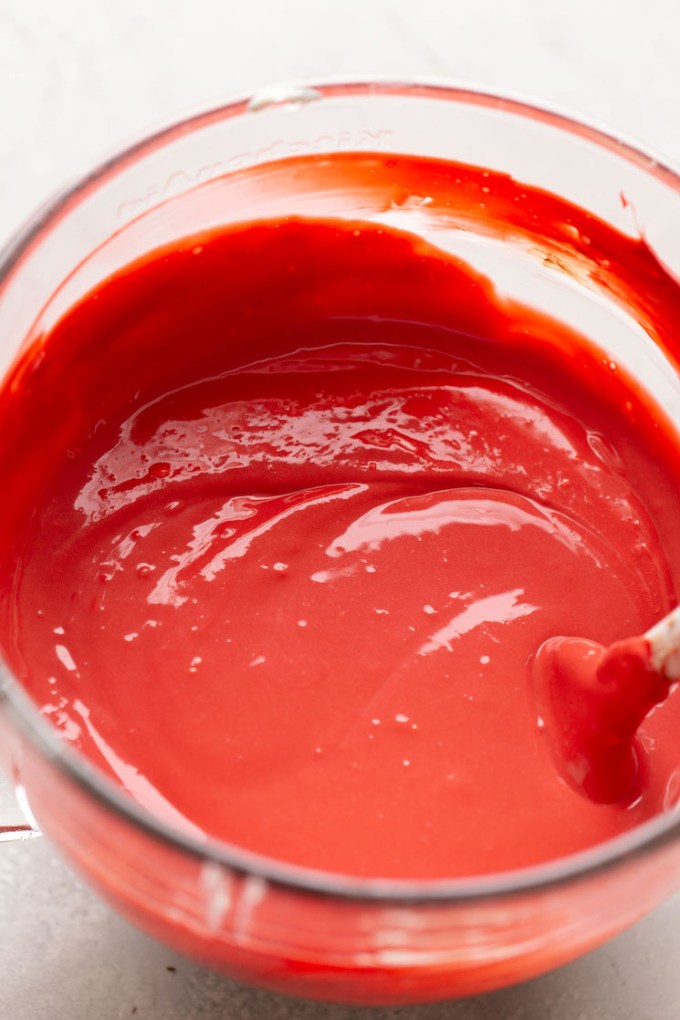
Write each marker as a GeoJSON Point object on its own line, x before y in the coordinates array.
{"type": "Point", "coordinates": [306, 497]}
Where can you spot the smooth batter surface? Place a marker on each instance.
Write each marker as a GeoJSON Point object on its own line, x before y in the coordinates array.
{"type": "Point", "coordinates": [307, 497]}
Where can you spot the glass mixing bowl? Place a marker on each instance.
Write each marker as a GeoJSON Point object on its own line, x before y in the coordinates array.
{"type": "Point", "coordinates": [296, 930]}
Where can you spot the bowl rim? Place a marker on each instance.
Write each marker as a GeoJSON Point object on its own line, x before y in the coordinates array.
{"type": "Point", "coordinates": [650, 836]}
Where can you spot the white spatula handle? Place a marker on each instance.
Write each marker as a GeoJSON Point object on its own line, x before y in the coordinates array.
{"type": "Point", "coordinates": [664, 642]}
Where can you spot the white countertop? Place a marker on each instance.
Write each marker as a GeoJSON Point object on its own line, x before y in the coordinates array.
{"type": "Point", "coordinates": [80, 78]}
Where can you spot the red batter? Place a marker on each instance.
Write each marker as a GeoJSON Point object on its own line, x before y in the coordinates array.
{"type": "Point", "coordinates": [306, 497]}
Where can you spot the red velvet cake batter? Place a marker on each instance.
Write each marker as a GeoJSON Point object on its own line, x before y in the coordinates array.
{"type": "Point", "coordinates": [306, 496]}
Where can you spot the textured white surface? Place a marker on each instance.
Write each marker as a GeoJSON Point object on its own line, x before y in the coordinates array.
{"type": "Point", "coordinates": [80, 78]}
